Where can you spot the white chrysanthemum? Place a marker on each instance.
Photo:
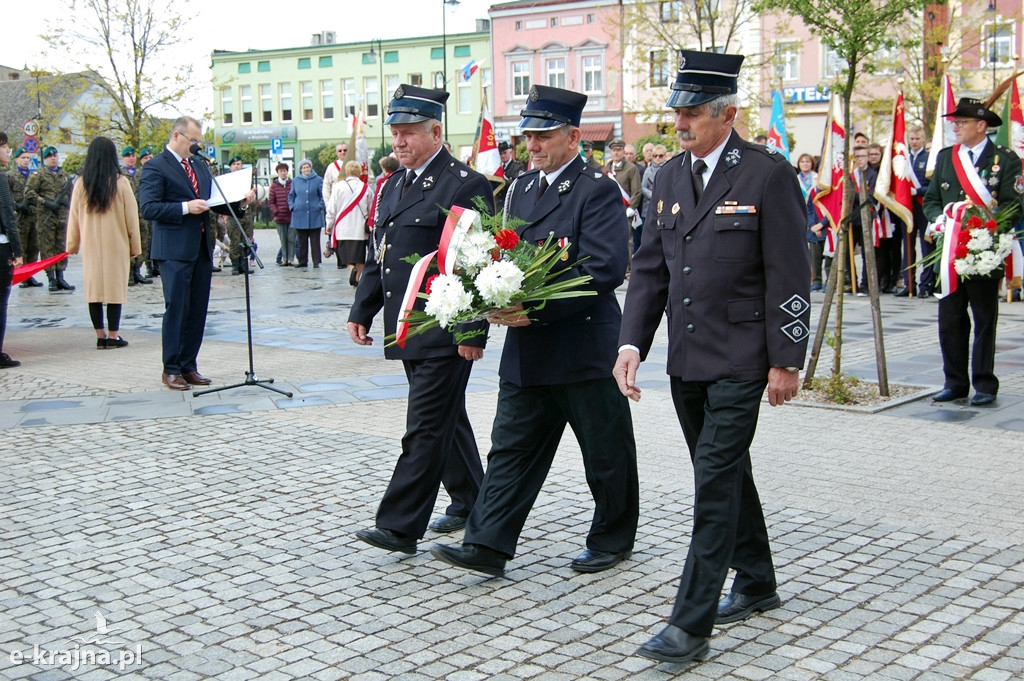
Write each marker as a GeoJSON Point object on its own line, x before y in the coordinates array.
{"type": "Point", "coordinates": [988, 261]}
{"type": "Point", "coordinates": [498, 282]}
{"type": "Point", "coordinates": [963, 267]}
{"type": "Point", "coordinates": [474, 251]}
{"type": "Point", "coordinates": [981, 240]}
{"type": "Point", "coordinates": [447, 299]}
{"type": "Point", "coordinates": [1005, 245]}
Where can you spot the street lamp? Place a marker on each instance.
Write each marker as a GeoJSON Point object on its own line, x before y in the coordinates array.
{"type": "Point", "coordinates": [444, 49]}
{"type": "Point", "coordinates": [378, 56]}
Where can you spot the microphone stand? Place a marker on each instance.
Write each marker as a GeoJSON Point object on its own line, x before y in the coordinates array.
{"type": "Point", "coordinates": [250, 252]}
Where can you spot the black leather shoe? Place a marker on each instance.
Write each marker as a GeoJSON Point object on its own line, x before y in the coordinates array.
{"type": "Point", "coordinates": [924, 293]}
{"type": "Point", "coordinates": [947, 395]}
{"type": "Point", "coordinates": [448, 523]}
{"type": "Point", "coordinates": [7, 363]}
{"type": "Point", "coordinates": [980, 399]}
{"type": "Point", "coordinates": [736, 607]}
{"type": "Point", "coordinates": [387, 540]}
{"type": "Point", "coordinates": [675, 645]}
{"type": "Point", "coordinates": [597, 561]}
{"type": "Point", "coordinates": [471, 557]}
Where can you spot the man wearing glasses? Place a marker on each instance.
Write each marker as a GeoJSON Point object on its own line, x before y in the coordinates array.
{"type": "Point", "coordinates": [658, 156]}
{"type": "Point", "coordinates": [986, 174]}
{"type": "Point", "coordinates": [334, 170]}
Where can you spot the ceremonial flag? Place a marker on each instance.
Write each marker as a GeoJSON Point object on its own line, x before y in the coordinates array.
{"type": "Point", "coordinates": [488, 158]}
{"type": "Point", "coordinates": [1011, 133]}
{"type": "Point", "coordinates": [831, 172]}
{"type": "Point", "coordinates": [777, 129]}
{"type": "Point", "coordinates": [469, 69]}
{"type": "Point", "coordinates": [942, 135]}
{"type": "Point", "coordinates": [893, 189]}
{"type": "Point", "coordinates": [23, 272]}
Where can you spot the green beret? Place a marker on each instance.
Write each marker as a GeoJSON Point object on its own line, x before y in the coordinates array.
{"type": "Point", "coordinates": [49, 151]}
{"type": "Point", "coordinates": [128, 151]}
{"type": "Point", "coordinates": [145, 151]}
{"type": "Point", "coordinates": [20, 151]}
{"type": "Point", "coordinates": [234, 158]}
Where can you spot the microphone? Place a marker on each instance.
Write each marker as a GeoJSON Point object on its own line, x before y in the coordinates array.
{"type": "Point", "coordinates": [196, 150]}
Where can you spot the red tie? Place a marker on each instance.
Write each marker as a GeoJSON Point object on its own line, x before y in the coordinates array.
{"type": "Point", "coordinates": [191, 175]}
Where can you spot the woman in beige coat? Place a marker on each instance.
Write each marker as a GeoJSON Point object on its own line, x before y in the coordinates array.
{"type": "Point", "coordinates": [103, 222]}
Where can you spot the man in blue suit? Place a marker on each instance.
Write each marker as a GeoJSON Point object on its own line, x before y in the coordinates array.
{"type": "Point", "coordinates": [172, 195]}
{"type": "Point", "coordinates": [556, 363]}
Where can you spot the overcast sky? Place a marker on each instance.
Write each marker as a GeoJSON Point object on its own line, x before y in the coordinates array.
{"type": "Point", "coordinates": [237, 25]}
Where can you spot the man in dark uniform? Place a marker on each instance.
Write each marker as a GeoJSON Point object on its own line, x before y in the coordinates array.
{"type": "Point", "coordinates": [588, 155]}
{"type": "Point", "coordinates": [52, 188]}
{"type": "Point", "coordinates": [919, 164]}
{"type": "Point", "coordinates": [25, 208]}
{"type": "Point", "coordinates": [133, 171]}
{"type": "Point", "coordinates": [438, 445]}
{"type": "Point", "coordinates": [724, 255]}
{"type": "Point", "coordinates": [862, 174]}
{"type": "Point", "coordinates": [511, 169]}
{"type": "Point", "coordinates": [556, 361]}
{"type": "Point", "coordinates": [994, 180]}
{"type": "Point", "coordinates": [145, 231]}
{"type": "Point", "coordinates": [239, 254]}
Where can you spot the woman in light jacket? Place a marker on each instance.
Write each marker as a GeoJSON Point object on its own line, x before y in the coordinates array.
{"type": "Point", "coordinates": [351, 197]}
{"type": "Point", "coordinates": [103, 222]}
{"type": "Point", "coordinates": [306, 202]}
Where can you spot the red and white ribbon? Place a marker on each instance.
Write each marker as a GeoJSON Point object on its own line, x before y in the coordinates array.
{"type": "Point", "coordinates": [460, 220]}
{"type": "Point", "coordinates": [1015, 262]}
{"type": "Point", "coordinates": [971, 182]}
{"type": "Point", "coordinates": [948, 278]}
{"type": "Point", "coordinates": [419, 270]}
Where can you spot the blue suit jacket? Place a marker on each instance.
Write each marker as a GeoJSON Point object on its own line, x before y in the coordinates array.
{"type": "Point", "coordinates": [162, 189]}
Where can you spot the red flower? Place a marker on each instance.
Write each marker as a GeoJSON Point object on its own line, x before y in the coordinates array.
{"type": "Point", "coordinates": [961, 251]}
{"type": "Point", "coordinates": [506, 239]}
{"type": "Point", "coordinates": [991, 226]}
{"type": "Point", "coordinates": [430, 282]}
{"type": "Point", "coordinates": [963, 237]}
{"type": "Point", "coordinates": [974, 222]}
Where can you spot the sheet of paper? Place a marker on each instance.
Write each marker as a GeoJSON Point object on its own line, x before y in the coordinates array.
{"type": "Point", "coordinates": [233, 187]}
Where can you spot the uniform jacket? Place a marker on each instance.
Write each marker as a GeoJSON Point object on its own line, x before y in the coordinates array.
{"type": "Point", "coordinates": [278, 201]}
{"type": "Point", "coordinates": [920, 167]}
{"type": "Point", "coordinates": [870, 178]}
{"type": "Point", "coordinates": [47, 186]}
{"type": "Point", "coordinates": [106, 240]}
{"type": "Point", "coordinates": [162, 188]}
{"type": "Point", "coordinates": [513, 169]}
{"type": "Point", "coordinates": [574, 339]}
{"type": "Point", "coordinates": [306, 202]}
{"type": "Point", "coordinates": [732, 274]}
{"type": "Point", "coordinates": [628, 177]}
{"type": "Point", "coordinates": [998, 167]}
{"type": "Point", "coordinates": [407, 225]}
{"type": "Point", "coordinates": [23, 197]}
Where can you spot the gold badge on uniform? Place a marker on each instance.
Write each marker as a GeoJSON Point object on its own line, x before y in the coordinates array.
{"type": "Point", "coordinates": [675, 208]}
{"type": "Point", "coordinates": [564, 256]}
{"type": "Point", "coordinates": [661, 206]}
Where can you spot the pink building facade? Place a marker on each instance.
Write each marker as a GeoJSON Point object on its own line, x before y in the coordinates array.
{"type": "Point", "coordinates": [561, 43]}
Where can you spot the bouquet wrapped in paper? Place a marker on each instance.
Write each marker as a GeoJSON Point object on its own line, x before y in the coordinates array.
{"type": "Point", "coordinates": [480, 268]}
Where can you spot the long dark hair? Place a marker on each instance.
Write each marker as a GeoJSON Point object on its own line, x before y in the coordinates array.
{"type": "Point", "coordinates": [99, 175]}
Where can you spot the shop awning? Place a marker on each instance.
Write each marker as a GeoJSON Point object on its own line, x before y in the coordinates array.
{"type": "Point", "coordinates": [597, 132]}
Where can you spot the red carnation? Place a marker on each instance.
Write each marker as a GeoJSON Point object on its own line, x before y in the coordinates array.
{"type": "Point", "coordinates": [961, 251]}
{"type": "Point", "coordinates": [963, 237]}
{"type": "Point", "coordinates": [991, 226]}
{"type": "Point", "coordinates": [506, 239]}
{"type": "Point", "coordinates": [974, 222]}
{"type": "Point", "coordinates": [430, 282]}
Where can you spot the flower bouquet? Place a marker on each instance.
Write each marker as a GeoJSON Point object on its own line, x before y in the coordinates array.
{"type": "Point", "coordinates": [482, 267]}
{"type": "Point", "coordinates": [971, 242]}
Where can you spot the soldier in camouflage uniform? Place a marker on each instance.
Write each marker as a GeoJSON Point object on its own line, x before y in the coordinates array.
{"type": "Point", "coordinates": [25, 207]}
{"type": "Point", "coordinates": [152, 270]}
{"type": "Point", "coordinates": [52, 187]}
{"type": "Point", "coordinates": [239, 255]}
{"type": "Point", "coordinates": [133, 172]}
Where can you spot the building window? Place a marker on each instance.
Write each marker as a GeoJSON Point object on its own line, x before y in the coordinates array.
{"type": "Point", "coordinates": [416, 79]}
{"type": "Point", "coordinates": [787, 61]}
{"type": "Point", "coordinates": [592, 72]}
{"type": "Point", "coordinates": [536, 23]}
{"type": "Point", "coordinates": [833, 64]}
{"type": "Point", "coordinates": [556, 72]}
{"type": "Point", "coordinates": [438, 78]}
{"type": "Point", "coordinates": [266, 105]}
{"type": "Point", "coordinates": [227, 107]}
{"type": "Point", "coordinates": [464, 96]}
{"type": "Point", "coordinates": [590, 18]}
{"type": "Point", "coordinates": [554, 22]}
{"type": "Point", "coordinates": [325, 62]}
{"type": "Point", "coordinates": [462, 51]}
{"type": "Point", "coordinates": [245, 103]}
{"type": "Point", "coordinates": [659, 68]}
{"type": "Point", "coordinates": [348, 96]}
{"type": "Point", "coordinates": [519, 25]}
{"type": "Point", "coordinates": [245, 67]}
{"type": "Point", "coordinates": [437, 53]}
{"type": "Point", "coordinates": [284, 92]}
{"type": "Point", "coordinates": [372, 95]}
{"type": "Point", "coordinates": [263, 66]}
{"type": "Point", "coordinates": [327, 100]}
{"type": "Point", "coordinates": [390, 83]}
{"type": "Point", "coordinates": [306, 93]}
{"type": "Point", "coordinates": [998, 45]}
{"type": "Point", "coordinates": [520, 79]}
{"type": "Point", "coordinates": [304, 63]}
{"type": "Point", "coordinates": [572, 21]}
{"type": "Point", "coordinates": [670, 11]}
{"type": "Point", "coordinates": [391, 57]}
{"type": "Point", "coordinates": [369, 58]}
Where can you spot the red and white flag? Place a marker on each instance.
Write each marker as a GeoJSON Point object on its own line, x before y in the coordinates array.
{"type": "Point", "coordinates": [894, 189]}
{"type": "Point", "coordinates": [1016, 121]}
{"type": "Point", "coordinates": [488, 158]}
{"type": "Point", "coordinates": [831, 172]}
{"type": "Point", "coordinates": [943, 135]}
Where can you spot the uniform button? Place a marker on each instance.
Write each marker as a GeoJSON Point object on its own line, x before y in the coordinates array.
{"type": "Point", "coordinates": [686, 301]}
{"type": "Point", "coordinates": [735, 224]}
{"type": "Point", "coordinates": [388, 294]}
{"type": "Point", "coordinates": [417, 220]}
{"type": "Point", "coordinates": [387, 270]}
{"type": "Point", "coordinates": [686, 270]}
{"type": "Point", "coordinates": [757, 315]}
{"type": "Point", "coordinates": [586, 319]}
{"type": "Point", "coordinates": [691, 328]}
{"type": "Point", "coordinates": [391, 224]}
{"type": "Point", "coordinates": [689, 238]}
{"type": "Point", "coordinates": [389, 246]}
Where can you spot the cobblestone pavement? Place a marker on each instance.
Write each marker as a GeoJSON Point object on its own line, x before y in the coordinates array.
{"type": "Point", "coordinates": [214, 533]}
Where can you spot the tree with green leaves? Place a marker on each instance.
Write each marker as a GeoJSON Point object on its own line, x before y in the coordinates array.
{"type": "Point", "coordinates": [855, 31]}
{"type": "Point", "coordinates": [119, 45]}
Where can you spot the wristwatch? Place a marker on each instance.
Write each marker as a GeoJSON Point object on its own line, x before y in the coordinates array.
{"type": "Point", "coordinates": [792, 370]}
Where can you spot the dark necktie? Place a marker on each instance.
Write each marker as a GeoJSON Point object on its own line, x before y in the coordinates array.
{"type": "Point", "coordinates": [540, 189]}
{"type": "Point", "coordinates": [410, 177]}
{"type": "Point", "coordinates": [191, 175]}
{"type": "Point", "coordinates": [970, 155]}
{"type": "Point", "coordinates": [699, 166]}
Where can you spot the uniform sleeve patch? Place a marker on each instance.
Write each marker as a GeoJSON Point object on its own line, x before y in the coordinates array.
{"type": "Point", "coordinates": [796, 331]}
{"type": "Point", "coordinates": [795, 306]}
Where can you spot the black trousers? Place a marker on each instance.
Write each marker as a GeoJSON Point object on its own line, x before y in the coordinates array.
{"type": "Point", "coordinates": [982, 296]}
{"type": "Point", "coordinates": [719, 419]}
{"type": "Point", "coordinates": [527, 428]}
{"type": "Point", "coordinates": [438, 447]}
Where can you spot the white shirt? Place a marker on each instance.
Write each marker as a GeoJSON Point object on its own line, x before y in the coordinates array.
{"type": "Point", "coordinates": [184, 204]}
{"type": "Point", "coordinates": [711, 160]}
